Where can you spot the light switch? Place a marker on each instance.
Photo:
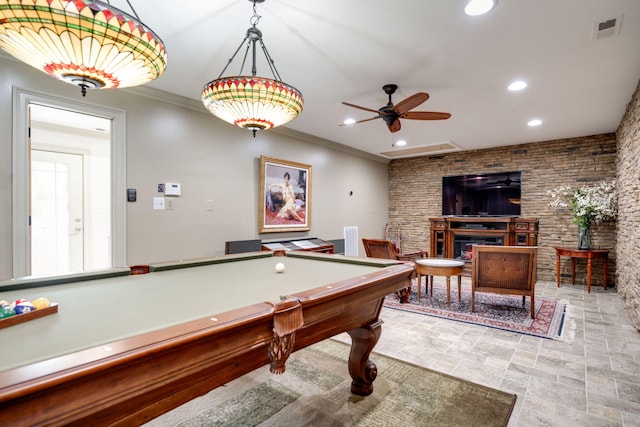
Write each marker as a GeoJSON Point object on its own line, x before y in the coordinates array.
{"type": "Point", "coordinates": [158, 203]}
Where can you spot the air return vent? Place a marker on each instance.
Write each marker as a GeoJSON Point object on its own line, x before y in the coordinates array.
{"type": "Point", "coordinates": [607, 28]}
{"type": "Point", "coordinates": [425, 150]}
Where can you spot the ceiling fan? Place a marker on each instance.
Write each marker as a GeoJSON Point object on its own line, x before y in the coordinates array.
{"type": "Point", "coordinates": [391, 114]}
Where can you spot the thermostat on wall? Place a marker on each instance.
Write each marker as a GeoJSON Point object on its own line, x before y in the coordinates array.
{"type": "Point", "coordinates": [172, 189]}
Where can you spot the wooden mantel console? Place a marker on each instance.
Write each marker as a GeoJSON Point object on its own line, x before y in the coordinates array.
{"type": "Point", "coordinates": [452, 237]}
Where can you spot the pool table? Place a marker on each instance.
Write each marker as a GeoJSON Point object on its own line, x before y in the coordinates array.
{"type": "Point", "coordinates": [124, 348]}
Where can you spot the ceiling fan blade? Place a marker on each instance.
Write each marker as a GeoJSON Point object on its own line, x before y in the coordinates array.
{"type": "Point", "coordinates": [411, 102]}
{"type": "Point", "coordinates": [359, 121]}
{"type": "Point", "coordinates": [425, 115]}
{"type": "Point", "coordinates": [357, 106]}
{"type": "Point", "coordinates": [395, 126]}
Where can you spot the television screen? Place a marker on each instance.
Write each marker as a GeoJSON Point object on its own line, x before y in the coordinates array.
{"type": "Point", "coordinates": [494, 194]}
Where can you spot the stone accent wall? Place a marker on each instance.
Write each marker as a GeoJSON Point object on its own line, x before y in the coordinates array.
{"type": "Point", "coordinates": [415, 194]}
{"type": "Point", "coordinates": [628, 244]}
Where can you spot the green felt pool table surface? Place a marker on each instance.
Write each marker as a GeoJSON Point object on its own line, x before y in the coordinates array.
{"type": "Point", "coordinates": [100, 311]}
{"type": "Point", "coordinates": [124, 348]}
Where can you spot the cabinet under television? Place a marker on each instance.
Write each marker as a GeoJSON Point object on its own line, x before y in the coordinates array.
{"type": "Point", "coordinates": [452, 237]}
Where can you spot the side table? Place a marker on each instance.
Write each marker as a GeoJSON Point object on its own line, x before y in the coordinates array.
{"type": "Point", "coordinates": [589, 254]}
{"type": "Point", "coordinates": [439, 267]}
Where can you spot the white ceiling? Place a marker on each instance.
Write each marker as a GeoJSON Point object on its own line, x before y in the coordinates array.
{"type": "Point", "coordinates": [346, 50]}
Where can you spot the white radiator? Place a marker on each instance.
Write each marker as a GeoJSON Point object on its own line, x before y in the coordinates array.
{"type": "Point", "coordinates": [351, 241]}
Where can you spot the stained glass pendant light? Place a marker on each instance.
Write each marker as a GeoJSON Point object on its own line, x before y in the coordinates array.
{"type": "Point", "coordinates": [87, 43]}
{"type": "Point", "coordinates": [252, 102]}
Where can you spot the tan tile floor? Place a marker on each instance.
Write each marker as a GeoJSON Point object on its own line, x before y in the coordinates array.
{"type": "Point", "coordinates": [590, 378]}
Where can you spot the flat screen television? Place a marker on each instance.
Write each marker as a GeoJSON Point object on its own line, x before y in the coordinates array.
{"type": "Point", "coordinates": [489, 194]}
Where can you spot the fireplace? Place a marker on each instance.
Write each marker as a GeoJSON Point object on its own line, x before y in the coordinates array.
{"type": "Point", "coordinates": [462, 245]}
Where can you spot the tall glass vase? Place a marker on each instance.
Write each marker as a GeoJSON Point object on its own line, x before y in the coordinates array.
{"type": "Point", "coordinates": [584, 237]}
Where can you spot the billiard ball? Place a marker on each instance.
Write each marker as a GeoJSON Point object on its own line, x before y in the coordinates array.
{"type": "Point", "coordinates": [3, 303]}
{"type": "Point", "coordinates": [16, 302]}
{"type": "Point", "coordinates": [23, 306]}
{"type": "Point", "coordinates": [279, 267]}
{"type": "Point", "coordinates": [6, 311]}
{"type": "Point", "coordinates": [40, 303]}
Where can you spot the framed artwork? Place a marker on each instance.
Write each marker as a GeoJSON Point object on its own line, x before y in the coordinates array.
{"type": "Point", "coordinates": [285, 194]}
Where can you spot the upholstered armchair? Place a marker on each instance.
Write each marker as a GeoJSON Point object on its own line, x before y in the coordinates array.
{"type": "Point", "coordinates": [504, 270]}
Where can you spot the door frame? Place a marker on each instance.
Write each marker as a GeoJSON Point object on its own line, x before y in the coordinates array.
{"type": "Point", "coordinates": [20, 187]}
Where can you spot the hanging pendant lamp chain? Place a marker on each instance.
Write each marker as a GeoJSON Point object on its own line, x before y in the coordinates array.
{"type": "Point", "coordinates": [253, 36]}
{"type": "Point", "coordinates": [255, 18]}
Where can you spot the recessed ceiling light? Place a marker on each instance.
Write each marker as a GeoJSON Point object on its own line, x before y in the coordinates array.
{"type": "Point", "coordinates": [535, 122]}
{"type": "Point", "coordinates": [349, 121]}
{"type": "Point", "coordinates": [400, 143]}
{"type": "Point", "coordinates": [517, 85]}
{"type": "Point", "coordinates": [479, 7]}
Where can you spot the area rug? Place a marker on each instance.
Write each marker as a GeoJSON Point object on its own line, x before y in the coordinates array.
{"type": "Point", "coordinates": [493, 310]}
{"type": "Point", "coordinates": [314, 391]}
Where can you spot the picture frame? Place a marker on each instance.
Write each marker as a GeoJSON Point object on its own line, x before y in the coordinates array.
{"type": "Point", "coordinates": [285, 196]}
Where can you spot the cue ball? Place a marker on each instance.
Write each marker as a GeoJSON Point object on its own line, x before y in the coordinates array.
{"type": "Point", "coordinates": [279, 267]}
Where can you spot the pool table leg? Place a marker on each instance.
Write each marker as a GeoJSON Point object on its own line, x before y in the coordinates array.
{"type": "Point", "coordinates": [362, 370]}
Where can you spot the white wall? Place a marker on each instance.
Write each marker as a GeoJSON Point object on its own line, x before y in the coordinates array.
{"type": "Point", "coordinates": [173, 139]}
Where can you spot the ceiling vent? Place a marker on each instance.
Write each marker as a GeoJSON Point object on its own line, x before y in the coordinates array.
{"type": "Point", "coordinates": [607, 28]}
{"type": "Point", "coordinates": [425, 150]}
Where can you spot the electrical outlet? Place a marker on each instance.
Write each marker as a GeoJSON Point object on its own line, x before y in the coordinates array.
{"type": "Point", "coordinates": [169, 203]}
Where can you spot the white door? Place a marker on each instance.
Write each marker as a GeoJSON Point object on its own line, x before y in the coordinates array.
{"type": "Point", "coordinates": [57, 220]}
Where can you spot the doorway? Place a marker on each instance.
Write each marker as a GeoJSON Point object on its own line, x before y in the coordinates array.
{"type": "Point", "coordinates": [69, 186]}
{"type": "Point", "coordinates": [69, 171]}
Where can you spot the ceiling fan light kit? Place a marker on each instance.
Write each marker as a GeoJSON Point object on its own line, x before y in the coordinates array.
{"type": "Point", "coordinates": [86, 43]}
{"type": "Point", "coordinates": [252, 102]}
{"type": "Point", "coordinates": [391, 114]}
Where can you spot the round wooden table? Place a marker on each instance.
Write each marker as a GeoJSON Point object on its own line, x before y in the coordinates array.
{"type": "Point", "coordinates": [439, 267]}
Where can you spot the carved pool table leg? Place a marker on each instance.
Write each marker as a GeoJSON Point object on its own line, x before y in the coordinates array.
{"type": "Point", "coordinates": [362, 370]}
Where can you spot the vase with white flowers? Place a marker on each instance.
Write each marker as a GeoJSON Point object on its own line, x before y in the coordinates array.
{"type": "Point", "coordinates": [588, 204]}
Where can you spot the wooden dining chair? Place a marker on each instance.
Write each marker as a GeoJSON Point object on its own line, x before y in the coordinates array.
{"type": "Point", "coordinates": [380, 248]}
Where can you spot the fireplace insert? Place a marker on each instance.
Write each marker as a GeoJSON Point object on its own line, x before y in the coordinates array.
{"type": "Point", "coordinates": [463, 245]}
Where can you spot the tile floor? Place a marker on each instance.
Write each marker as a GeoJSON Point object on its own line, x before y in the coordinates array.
{"type": "Point", "coordinates": [590, 378]}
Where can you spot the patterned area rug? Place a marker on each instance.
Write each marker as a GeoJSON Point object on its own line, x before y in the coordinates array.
{"type": "Point", "coordinates": [314, 391]}
{"type": "Point", "coordinates": [492, 310]}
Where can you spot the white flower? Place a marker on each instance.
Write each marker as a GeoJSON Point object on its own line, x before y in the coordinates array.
{"type": "Point", "coordinates": [596, 202]}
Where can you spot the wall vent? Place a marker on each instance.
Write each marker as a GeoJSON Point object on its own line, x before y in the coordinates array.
{"type": "Point", "coordinates": [440, 147]}
{"type": "Point", "coordinates": [351, 241]}
{"type": "Point", "coordinates": [607, 28]}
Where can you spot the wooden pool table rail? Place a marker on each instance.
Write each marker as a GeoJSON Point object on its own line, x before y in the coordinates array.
{"type": "Point", "coordinates": [141, 377]}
